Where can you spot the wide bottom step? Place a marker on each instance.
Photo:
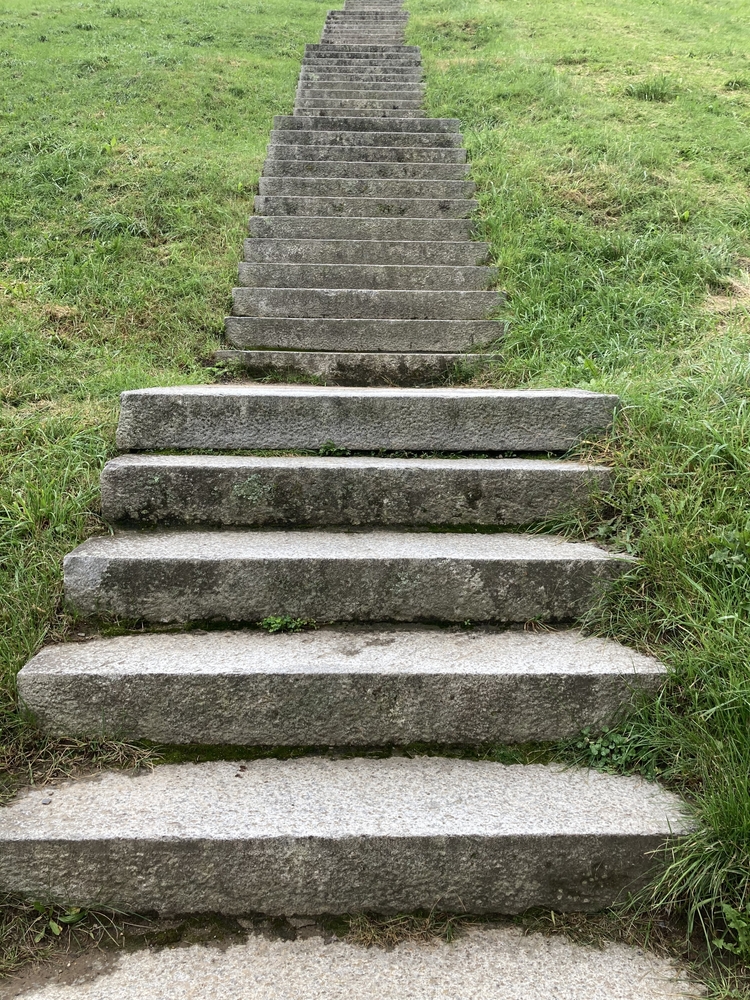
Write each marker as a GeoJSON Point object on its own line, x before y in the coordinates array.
{"type": "Point", "coordinates": [318, 835]}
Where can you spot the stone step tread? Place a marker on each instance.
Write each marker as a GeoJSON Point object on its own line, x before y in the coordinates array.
{"type": "Point", "coordinates": [373, 252]}
{"type": "Point", "coordinates": [391, 169]}
{"type": "Point", "coordinates": [394, 335]}
{"type": "Point", "coordinates": [230, 417]}
{"type": "Point", "coordinates": [328, 134]}
{"type": "Point", "coordinates": [366, 276]}
{"type": "Point", "coordinates": [329, 112]}
{"type": "Point", "coordinates": [333, 102]}
{"type": "Point", "coordinates": [366, 187]}
{"type": "Point", "coordinates": [336, 686]}
{"type": "Point", "coordinates": [291, 123]}
{"type": "Point", "coordinates": [244, 491]}
{"type": "Point", "coordinates": [370, 154]}
{"type": "Point", "coordinates": [414, 208]}
{"type": "Point", "coordinates": [357, 369]}
{"type": "Point", "coordinates": [318, 835]}
{"type": "Point", "coordinates": [331, 227]}
{"type": "Point", "coordinates": [364, 303]}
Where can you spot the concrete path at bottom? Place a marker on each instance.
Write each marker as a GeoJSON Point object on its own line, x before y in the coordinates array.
{"type": "Point", "coordinates": [498, 963]}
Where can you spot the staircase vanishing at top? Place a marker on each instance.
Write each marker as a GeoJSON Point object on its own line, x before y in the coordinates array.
{"type": "Point", "coordinates": [395, 515]}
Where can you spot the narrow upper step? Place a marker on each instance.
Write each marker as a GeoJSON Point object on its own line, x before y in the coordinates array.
{"type": "Point", "coordinates": [303, 416]}
{"type": "Point", "coordinates": [335, 836]}
{"type": "Point", "coordinates": [245, 491]}
{"type": "Point", "coordinates": [337, 576]}
{"type": "Point", "coordinates": [336, 686]}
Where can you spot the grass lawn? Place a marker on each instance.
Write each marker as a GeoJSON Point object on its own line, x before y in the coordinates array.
{"type": "Point", "coordinates": [610, 143]}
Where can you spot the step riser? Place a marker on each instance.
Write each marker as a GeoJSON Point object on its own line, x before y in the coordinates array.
{"type": "Point", "coordinates": [336, 687]}
{"type": "Point", "coordinates": [342, 168]}
{"type": "Point", "coordinates": [332, 112]}
{"type": "Point", "coordinates": [438, 126]}
{"type": "Point", "coordinates": [340, 303]}
{"type": "Point", "coordinates": [361, 335]}
{"type": "Point", "coordinates": [365, 252]}
{"type": "Point", "coordinates": [343, 93]}
{"type": "Point", "coordinates": [363, 276]}
{"type": "Point", "coordinates": [342, 187]}
{"type": "Point", "coordinates": [361, 79]}
{"type": "Point", "coordinates": [370, 154]}
{"type": "Point", "coordinates": [430, 420]}
{"type": "Point", "coordinates": [316, 493]}
{"type": "Point", "coordinates": [363, 369]}
{"type": "Point", "coordinates": [319, 836]}
{"type": "Point", "coordinates": [334, 137]}
{"type": "Point", "coordinates": [359, 208]}
{"type": "Point", "coordinates": [331, 228]}
{"type": "Point", "coordinates": [246, 577]}
{"type": "Point", "coordinates": [313, 104]}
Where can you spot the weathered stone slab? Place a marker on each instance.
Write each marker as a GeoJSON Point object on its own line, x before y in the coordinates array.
{"type": "Point", "coordinates": [427, 126]}
{"type": "Point", "coordinates": [404, 276]}
{"type": "Point", "coordinates": [330, 228]}
{"type": "Point", "coordinates": [364, 303]}
{"type": "Point", "coordinates": [336, 687]}
{"type": "Point", "coordinates": [233, 417]}
{"type": "Point", "coordinates": [365, 187]}
{"type": "Point", "coordinates": [362, 335]}
{"type": "Point", "coordinates": [380, 252]}
{"type": "Point", "coordinates": [335, 836]}
{"type": "Point", "coordinates": [245, 491]}
{"type": "Point", "coordinates": [369, 154]}
{"type": "Point", "coordinates": [330, 133]}
{"type": "Point", "coordinates": [337, 576]}
{"type": "Point", "coordinates": [415, 208]}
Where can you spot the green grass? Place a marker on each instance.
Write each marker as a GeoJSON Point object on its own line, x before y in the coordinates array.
{"type": "Point", "coordinates": [609, 141]}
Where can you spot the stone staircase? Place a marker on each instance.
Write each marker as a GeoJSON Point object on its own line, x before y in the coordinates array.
{"type": "Point", "coordinates": [361, 272]}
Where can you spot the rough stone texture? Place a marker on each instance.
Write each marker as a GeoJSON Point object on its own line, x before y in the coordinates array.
{"type": "Point", "coordinates": [412, 208]}
{"type": "Point", "coordinates": [498, 963]}
{"type": "Point", "coordinates": [235, 491]}
{"type": "Point", "coordinates": [364, 303]}
{"type": "Point", "coordinates": [373, 368]}
{"type": "Point", "coordinates": [307, 417]}
{"type": "Point", "coordinates": [448, 230]}
{"type": "Point", "coordinates": [420, 277]}
{"type": "Point", "coordinates": [362, 335]}
{"type": "Point", "coordinates": [354, 187]}
{"type": "Point", "coordinates": [328, 134]}
{"type": "Point", "coordinates": [461, 254]}
{"type": "Point", "coordinates": [317, 835]}
{"type": "Point", "coordinates": [337, 576]}
{"type": "Point", "coordinates": [336, 687]}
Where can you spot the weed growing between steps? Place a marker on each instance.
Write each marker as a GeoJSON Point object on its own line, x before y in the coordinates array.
{"type": "Point", "coordinates": [609, 145]}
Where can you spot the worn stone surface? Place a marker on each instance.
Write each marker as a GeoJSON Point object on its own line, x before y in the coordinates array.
{"type": "Point", "coordinates": [336, 687]}
{"type": "Point", "coordinates": [365, 369]}
{"type": "Point", "coordinates": [355, 187]}
{"type": "Point", "coordinates": [491, 963]}
{"type": "Point", "coordinates": [329, 133]}
{"type": "Point", "coordinates": [317, 835]}
{"type": "Point", "coordinates": [341, 252]}
{"type": "Point", "coordinates": [311, 228]}
{"type": "Point", "coordinates": [414, 208]}
{"type": "Point", "coordinates": [364, 303]}
{"type": "Point", "coordinates": [236, 491]}
{"type": "Point", "coordinates": [308, 417]}
{"type": "Point", "coordinates": [362, 335]}
{"type": "Point", "coordinates": [404, 276]}
{"type": "Point", "coordinates": [337, 576]}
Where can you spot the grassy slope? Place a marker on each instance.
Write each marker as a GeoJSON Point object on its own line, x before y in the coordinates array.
{"type": "Point", "coordinates": [620, 225]}
{"type": "Point", "coordinates": [126, 171]}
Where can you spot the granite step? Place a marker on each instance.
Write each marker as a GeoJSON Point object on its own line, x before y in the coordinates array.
{"type": "Point", "coordinates": [375, 276]}
{"type": "Point", "coordinates": [367, 112]}
{"type": "Point", "coordinates": [370, 368]}
{"type": "Point", "coordinates": [344, 123]}
{"type": "Point", "coordinates": [364, 77]}
{"type": "Point", "coordinates": [362, 228]}
{"type": "Point", "coordinates": [391, 169]}
{"type": "Point", "coordinates": [366, 187]}
{"type": "Point", "coordinates": [399, 336]}
{"type": "Point", "coordinates": [330, 104]}
{"type": "Point", "coordinates": [341, 686]}
{"type": "Point", "coordinates": [317, 835]}
{"type": "Point", "coordinates": [327, 133]}
{"type": "Point", "coordinates": [388, 92]}
{"type": "Point", "coordinates": [315, 492]}
{"type": "Point", "coordinates": [269, 417]}
{"type": "Point", "coordinates": [336, 576]}
{"type": "Point", "coordinates": [414, 208]}
{"type": "Point", "coordinates": [368, 154]}
{"type": "Point", "coordinates": [364, 303]}
{"type": "Point", "coordinates": [380, 252]}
